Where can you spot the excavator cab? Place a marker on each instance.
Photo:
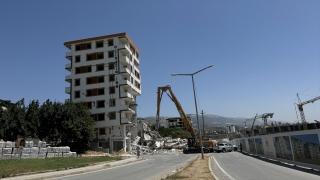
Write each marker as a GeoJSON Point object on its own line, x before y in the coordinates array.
{"type": "Point", "coordinates": [192, 142]}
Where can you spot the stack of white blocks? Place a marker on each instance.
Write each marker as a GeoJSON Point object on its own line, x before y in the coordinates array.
{"type": "Point", "coordinates": [9, 151]}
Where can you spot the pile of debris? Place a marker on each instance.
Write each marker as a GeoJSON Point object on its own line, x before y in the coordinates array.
{"type": "Point", "coordinates": [152, 143]}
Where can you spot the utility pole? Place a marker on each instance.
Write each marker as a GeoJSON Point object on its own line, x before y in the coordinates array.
{"type": "Point", "coordinates": [203, 123]}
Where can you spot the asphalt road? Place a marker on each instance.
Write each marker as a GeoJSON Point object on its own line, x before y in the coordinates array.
{"type": "Point", "coordinates": [238, 166]}
{"type": "Point", "coordinates": [151, 168]}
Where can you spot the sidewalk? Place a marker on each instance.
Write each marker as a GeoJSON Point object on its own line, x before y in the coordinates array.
{"type": "Point", "coordinates": [55, 174]}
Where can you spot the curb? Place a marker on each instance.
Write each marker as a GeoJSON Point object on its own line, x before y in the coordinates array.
{"type": "Point", "coordinates": [167, 173]}
{"type": "Point", "coordinates": [56, 174]}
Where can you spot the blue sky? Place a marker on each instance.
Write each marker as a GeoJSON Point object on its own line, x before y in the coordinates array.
{"type": "Point", "coordinates": [263, 52]}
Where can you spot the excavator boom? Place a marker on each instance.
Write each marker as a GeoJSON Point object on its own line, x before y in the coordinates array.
{"type": "Point", "coordinates": [183, 115]}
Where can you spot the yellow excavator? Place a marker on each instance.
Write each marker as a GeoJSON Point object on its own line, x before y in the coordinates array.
{"type": "Point", "coordinates": [193, 145]}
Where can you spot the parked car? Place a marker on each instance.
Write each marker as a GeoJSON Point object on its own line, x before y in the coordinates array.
{"type": "Point", "coordinates": [223, 147]}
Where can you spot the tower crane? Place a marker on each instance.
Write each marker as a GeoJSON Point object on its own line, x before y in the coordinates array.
{"type": "Point", "coordinates": [303, 118]}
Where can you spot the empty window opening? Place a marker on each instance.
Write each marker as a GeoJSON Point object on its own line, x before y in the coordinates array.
{"type": "Point", "coordinates": [77, 59]}
{"type": "Point", "coordinates": [102, 131]}
{"type": "Point", "coordinates": [89, 92]}
{"type": "Point", "coordinates": [111, 65]}
{"type": "Point", "coordinates": [112, 90]}
{"type": "Point", "coordinates": [100, 79]}
{"type": "Point", "coordinates": [101, 91]}
{"type": "Point", "coordinates": [85, 46]}
{"type": "Point", "coordinates": [77, 94]}
{"type": "Point", "coordinates": [111, 77]}
{"type": "Point", "coordinates": [112, 115]}
{"type": "Point", "coordinates": [89, 81]}
{"type": "Point", "coordinates": [110, 54]}
{"type": "Point", "coordinates": [110, 42]}
{"type": "Point", "coordinates": [77, 82]}
{"type": "Point", "coordinates": [99, 44]}
{"type": "Point", "coordinates": [89, 105]}
{"type": "Point", "coordinates": [100, 67]}
{"type": "Point", "coordinates": [100, 104]}
{"type": "Point", "coordinates": [101, 117]}
{"type": "Point", "coordinates": [100, 55]}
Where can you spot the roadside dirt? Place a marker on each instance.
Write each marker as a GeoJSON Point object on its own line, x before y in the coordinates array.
{"type": "Point", "coordinates": [198, 169]}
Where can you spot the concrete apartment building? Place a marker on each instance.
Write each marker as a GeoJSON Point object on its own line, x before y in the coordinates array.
{"type": "Point", "coordinates": [104, 73]}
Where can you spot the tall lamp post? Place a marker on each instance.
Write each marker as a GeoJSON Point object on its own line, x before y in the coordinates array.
{"type": "Point", "coordinates": [195, 101]}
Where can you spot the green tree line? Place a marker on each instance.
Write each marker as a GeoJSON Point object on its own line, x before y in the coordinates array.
{"type": "Point", "coordinates": [173, 132]}
{"type": "Point", "coordinates": [67, 123]}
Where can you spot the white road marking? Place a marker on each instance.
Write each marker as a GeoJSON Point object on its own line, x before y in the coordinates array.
{"type": "Point", "coordinates": [222, 169]}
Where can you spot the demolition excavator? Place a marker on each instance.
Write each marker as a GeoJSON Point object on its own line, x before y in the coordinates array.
{"type": "Point", "coordinates": [193, 145]}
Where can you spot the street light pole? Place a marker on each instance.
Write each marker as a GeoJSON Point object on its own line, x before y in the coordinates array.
{"type": "Point", "coordinates": [204, 132]}
{"type": "Point", "coordinates": [195, 102]}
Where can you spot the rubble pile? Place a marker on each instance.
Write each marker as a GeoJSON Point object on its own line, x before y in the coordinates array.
{"type": "Point", "coordinates": [8, 150]}
{"type": "Point", "coordinates": [153, 144]}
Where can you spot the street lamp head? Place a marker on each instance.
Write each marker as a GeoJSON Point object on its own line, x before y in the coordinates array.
{"type": "Point", "coordinates": [210, 66]}
{"type": "Point", "coordinates": [173, 74]}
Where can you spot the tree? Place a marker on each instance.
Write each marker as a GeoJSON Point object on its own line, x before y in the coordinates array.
{"type": "Point", "coordinates": [77, 129]}
{"type": "Point", "coordinates": [32, 119]}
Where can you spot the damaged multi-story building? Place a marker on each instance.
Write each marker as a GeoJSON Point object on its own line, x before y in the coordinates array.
{"type": "Point", "coordinates": [104, 73]}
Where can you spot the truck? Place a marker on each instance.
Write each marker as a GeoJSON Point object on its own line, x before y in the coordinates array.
{"type": "Point", "coordinates": [193, 143]}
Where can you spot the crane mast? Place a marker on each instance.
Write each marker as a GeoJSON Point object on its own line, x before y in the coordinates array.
{"type": "Point", "coordinates": [303, 118]}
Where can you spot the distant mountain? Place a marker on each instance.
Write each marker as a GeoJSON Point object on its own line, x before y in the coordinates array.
{"type": "Point", "coordinates": [209, 120]}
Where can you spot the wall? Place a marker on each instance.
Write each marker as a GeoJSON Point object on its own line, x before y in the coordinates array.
{"type": "Point", "coordinates": [298, 147]}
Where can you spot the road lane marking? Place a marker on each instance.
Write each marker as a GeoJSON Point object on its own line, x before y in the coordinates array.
{"type": "Point", "coordinates": [222, 169]}
{"type": "Point", "coordinates": [215, 177]}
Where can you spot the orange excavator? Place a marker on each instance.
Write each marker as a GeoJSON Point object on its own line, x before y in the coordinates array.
{"type": "Point", "coordinates": [193, 145]}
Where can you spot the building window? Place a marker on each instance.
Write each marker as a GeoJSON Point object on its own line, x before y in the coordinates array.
{"type": "Point", "coordinates": [101, 117]}
{"type": "Point", "coordinates": [100, 67]}
{"type": "Point", "coordinates": [89, 92]}
{"type": "Point", "coordinates": [77, 94]}
{"type": "Point", "coordinates": [83, 69]}
{"type": "Point", "coordinates": [100, 104]}
{"type": "Point", "coordinates": [77, 70]}
{"type": "Point", "coordinates": [110, 54]}
{"type": "Point", "coordinates": [77, 59]}
{"type": "Point", "coordinates": [99, 44]}
{"type": "Point", "coordinates": [112, 115]}
{"type": "Point", "coordinates": [89, 105]}
{"type": "Point", "coordinates": [77, 82]}
{"type": "Point", "coordinates": [100, 79]}
{"type": "Point", "coordinates": [111, 77]}
{"type": "Point", "coordinates": [110, 42]}
{"type": "Point", "coordinates": [101, 91]}
{"type": "Point", "coordinates": [85, 46]}
{"type": "Point", "coordinates": [111, 66]}
{"type": "Point", "coordinates": [137, 55]}
{"type": "Point", "coordinates": [89, 80]}
{"type": "Point", "coordinates": [100, 55]}
{"type": "Point", "coordinates": [112, 90]}
{"type": "Point", "coordinates": [112, 102]}
{"type": "Point", "coordinates": [102, 131]}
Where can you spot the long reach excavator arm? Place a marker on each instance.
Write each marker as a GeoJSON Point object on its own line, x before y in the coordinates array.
{"type": "Point", "coordinates": [183, 115]}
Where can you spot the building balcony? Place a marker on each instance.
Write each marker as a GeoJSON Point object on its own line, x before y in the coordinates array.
{"type": "Point", "coordinates": [124, 82]}
{"type": "Point", "coordinates": [125, 60]}
{"type": "Point", "coordinates": [126, 95]}
{"type": "Point", "coordinates": [67, 90]}
{"type": "Point", "coordinates": [68, 67]}
{"type": "Point", "coordinates": [123, 49]}
{"type": "Point", "coordinates": [125, 121]}
{"type": "Point", "coordinates": [127, 109]}
{"type": "Point", "coordinates": [125, 70]}
{"type": "Point", "coordinates": [123, 40]}
{"type": "Point", "coordinates": [68, 78]}
{"type": "Point", "coordinates": [69, 55]}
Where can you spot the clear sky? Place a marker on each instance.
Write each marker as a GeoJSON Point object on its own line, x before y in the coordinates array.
{"type": "Point", "coordinates": [263, 52]}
